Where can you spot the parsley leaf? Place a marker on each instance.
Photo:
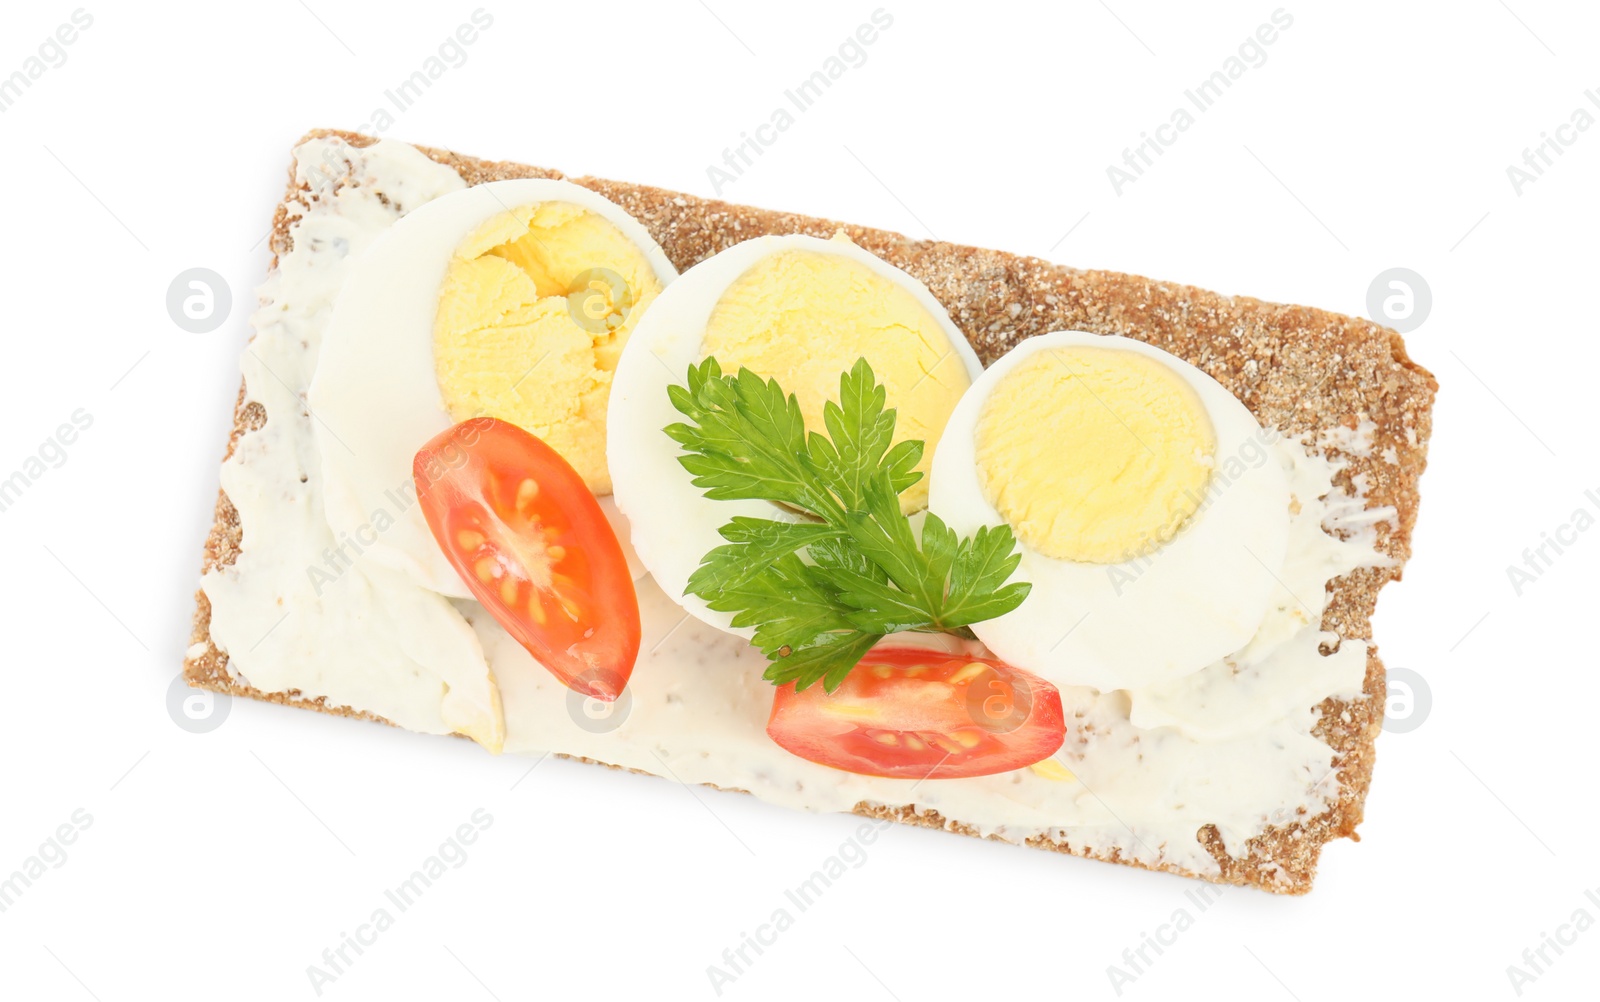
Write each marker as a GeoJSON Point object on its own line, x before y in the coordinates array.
{"type": "Point", "coordinates": [822, 589]}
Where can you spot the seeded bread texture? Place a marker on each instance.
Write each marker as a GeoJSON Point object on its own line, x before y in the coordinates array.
{"type": "Point", "coordinates": [1303, 370]}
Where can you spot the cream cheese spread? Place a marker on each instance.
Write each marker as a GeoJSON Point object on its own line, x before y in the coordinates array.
{"type": "Point", "coordinates": [302, 611]}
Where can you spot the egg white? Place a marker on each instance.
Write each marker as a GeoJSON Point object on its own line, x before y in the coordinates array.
{"type": "Point", "coordinates": [674, 524]}
{"type": "Point", "coordinates": [375, 398]}
{"type": "Point", "coordinates": [1194, 600]}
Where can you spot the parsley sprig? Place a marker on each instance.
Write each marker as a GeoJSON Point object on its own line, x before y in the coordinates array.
{"type": "Point", "coordinates": [822, 589]}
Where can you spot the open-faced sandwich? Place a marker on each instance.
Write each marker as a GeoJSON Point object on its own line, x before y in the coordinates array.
{"type": "Point", "coordinates": [841, 520]}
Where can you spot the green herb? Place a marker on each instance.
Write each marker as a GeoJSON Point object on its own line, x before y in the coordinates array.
{"type": "Point", "coordinates": [822, 589]}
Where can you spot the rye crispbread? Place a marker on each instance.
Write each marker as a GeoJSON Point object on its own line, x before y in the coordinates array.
{"type": "Point", "coordinates": [1300, 369]}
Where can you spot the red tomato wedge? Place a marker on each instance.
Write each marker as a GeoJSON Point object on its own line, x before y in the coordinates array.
{"type": "Point", "coordinates": [530, 541]}
{"type": "Point", "coordinates": [913, 713]}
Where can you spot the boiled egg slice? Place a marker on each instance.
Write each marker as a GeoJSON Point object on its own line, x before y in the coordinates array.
{"type": "Point", "coordinates": [1151, 514]}
{"type": "Point", "coordinates": [512, 299]}
{"type": "Point", "coordinates": [797, 309]}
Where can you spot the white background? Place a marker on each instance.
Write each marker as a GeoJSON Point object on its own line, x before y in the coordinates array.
{"type": "Point", "coordinates": [222, 865]}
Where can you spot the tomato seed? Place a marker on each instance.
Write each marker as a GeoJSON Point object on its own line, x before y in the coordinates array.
{"type": "Point", "coordinates": [526, 492]}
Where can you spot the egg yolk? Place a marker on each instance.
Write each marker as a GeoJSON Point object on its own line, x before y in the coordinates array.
{"type": "Point", "coordinates": [805, 317]}
{"type": "Point", "coordinates": [534, 310]}
{"type": "Point", "coordinates": [1095, 455]}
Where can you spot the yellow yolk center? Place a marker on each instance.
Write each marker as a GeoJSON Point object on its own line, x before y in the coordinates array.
{"type": "Point", "coordinates": [535, 308]}
{"type": "Point", "coordinates": [804, 317]}
{"type": "Point", "coordinates": [1096, 455]}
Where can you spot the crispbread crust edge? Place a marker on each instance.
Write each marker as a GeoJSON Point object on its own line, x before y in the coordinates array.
{"type": "Point", "coordinates": [1266, 354]}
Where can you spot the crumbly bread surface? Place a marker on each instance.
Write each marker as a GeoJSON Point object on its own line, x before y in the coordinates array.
{"type": "Point", "coordinates": [1300, 369]}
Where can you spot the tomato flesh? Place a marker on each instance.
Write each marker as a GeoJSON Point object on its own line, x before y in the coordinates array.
{"type": "Point", "coordinates": [518, 524]}
{"type": "Point", "coordinates": [913, 713]}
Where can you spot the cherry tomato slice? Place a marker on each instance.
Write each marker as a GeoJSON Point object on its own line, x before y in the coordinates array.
{"type": "Point", "coordinates": [913, 713]}
{"type": "Point", "coordinates": [530, 541]}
